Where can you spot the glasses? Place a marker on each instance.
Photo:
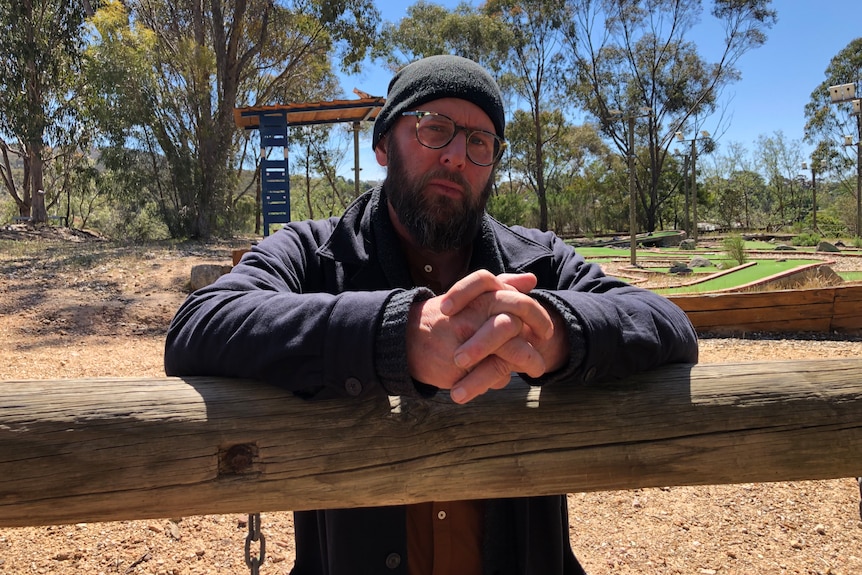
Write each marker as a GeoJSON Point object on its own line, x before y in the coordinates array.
{"type": "Point", "coordinates": [435, 131]}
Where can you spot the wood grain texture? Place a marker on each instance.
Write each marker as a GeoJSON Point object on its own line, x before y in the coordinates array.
{"type": "Point", "coordinates": [837, 309]}
{"type": "Point", "coordinates": [125, 448]}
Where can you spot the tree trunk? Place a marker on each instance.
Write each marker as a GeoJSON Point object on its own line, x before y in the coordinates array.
{"type": "Point", "coordinates": [38, 210]}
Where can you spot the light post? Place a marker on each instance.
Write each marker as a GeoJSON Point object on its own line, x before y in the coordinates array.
{"type": "Point", "coordinates": [693, 187]}
{"type": "Point", "coordinates": [847, 93]}
{"type": "Point", "coordinates": [823, 164]}
{"type": "Point", "coordinates": [633, 214]}
{"type": "Point", "coordinates": [684, 158]}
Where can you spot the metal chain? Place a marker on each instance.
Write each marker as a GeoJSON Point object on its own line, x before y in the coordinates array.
{"type": "Point", "coordinates": [859, 480]}
{"type": "Point", "coordinates": [254, 534]}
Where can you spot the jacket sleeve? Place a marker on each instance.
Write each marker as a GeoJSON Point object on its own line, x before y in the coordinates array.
{"type": "Point", "coordinates": [273, 319]}
{"type": "Point", "coordinates": [616, 329]}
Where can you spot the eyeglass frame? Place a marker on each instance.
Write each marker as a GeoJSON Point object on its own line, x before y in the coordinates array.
{"type": "Point", "coordinates": [419, 114]}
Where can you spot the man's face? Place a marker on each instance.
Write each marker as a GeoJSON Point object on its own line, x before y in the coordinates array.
{"type": "Point", "coordinates": [438, 196]}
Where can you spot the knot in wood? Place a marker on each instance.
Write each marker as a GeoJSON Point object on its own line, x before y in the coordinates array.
{"type": "Point", "coordinates": [237, 458]}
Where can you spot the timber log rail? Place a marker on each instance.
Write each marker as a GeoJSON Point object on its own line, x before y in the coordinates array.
{"type": "Point", "coordinates": [117, 449]}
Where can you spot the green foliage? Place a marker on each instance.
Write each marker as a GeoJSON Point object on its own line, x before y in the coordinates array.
{"type": "Point", "coordinates": [645, 59]}
{"type": "Point", "coordinates": [178, 88]}
{"type": "Point", "coordinates": [734, 246]}
{"type": "Point", "coordinates": [513, 207]}
{"type": "Point", "coordinates": [806, 239]}
{"type": "Point", "coordinates": [430, 29]}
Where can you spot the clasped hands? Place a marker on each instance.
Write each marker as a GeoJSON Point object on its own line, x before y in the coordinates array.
{"type": "Point", "coordinates": [485, 327]}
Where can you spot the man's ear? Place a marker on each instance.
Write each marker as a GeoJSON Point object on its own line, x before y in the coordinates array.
{"type": "Point", "coordinates": [380, 151]}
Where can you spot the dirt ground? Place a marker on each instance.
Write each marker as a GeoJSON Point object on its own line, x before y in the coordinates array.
{"type": "Point", "coordinates": [74, 306]}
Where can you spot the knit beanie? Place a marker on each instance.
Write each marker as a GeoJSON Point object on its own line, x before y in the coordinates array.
{"type": "Point", "coordinates": [436, 77]}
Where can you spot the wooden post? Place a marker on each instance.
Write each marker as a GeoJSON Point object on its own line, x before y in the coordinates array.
{"type": "Point", "coordinates": [114, 449]}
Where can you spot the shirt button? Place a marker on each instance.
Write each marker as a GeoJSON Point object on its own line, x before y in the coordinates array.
{"type": "Point", "coordinates": [353, 386]}
{"type": "Point", "coordinates": [393, 560]}
{"type": "Point", "coordinates": [441, 515]}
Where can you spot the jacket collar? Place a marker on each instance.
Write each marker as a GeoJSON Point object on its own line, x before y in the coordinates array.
{"type": "Point", "coordinates": [365, 233]}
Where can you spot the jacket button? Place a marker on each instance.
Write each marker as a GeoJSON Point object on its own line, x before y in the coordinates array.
{"type": "Point", "coordinates": [393, 560]}
{"type": "Point", "coordinates": [353, 386]}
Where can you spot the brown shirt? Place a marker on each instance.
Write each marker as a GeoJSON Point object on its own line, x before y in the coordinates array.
{"type": "Point", "coordinates": [445, 538]}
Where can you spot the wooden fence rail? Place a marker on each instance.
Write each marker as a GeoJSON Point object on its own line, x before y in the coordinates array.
{"type": "Point", "coordinates": [115, 449]}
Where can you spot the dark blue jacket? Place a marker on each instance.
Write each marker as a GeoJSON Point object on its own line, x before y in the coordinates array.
{"type": "Point", "coordinates": [320, 308]}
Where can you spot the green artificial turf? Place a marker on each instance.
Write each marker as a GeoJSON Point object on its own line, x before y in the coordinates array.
{"type": "Point", "coordinates": [762, 269]}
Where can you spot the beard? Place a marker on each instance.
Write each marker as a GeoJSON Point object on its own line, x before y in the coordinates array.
{"type": "Point", "coordinates": [435, 223]}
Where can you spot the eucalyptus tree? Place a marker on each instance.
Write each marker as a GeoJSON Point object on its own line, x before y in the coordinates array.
{"type": "Point", "coordinates": [532, 69]}
{"type": "Point", "coordinates": [828, 124]}
{"type": "Point", "coordinates": [41, 44]}
{"type": "Point", "coordinates": [193, 63]}
{"type": "Point", "coordinates": [429, 29]}
{"type": "Point", "coordinates": [639, 58]}
{"type": "Point", "coordinates": [318, 156]}
{"type": "Point", "coordinates": [517, 40]}
{"type": "Point", "coordinates": [780, 162]}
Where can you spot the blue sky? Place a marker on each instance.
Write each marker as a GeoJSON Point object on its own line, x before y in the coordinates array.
{"type": "Point", "coordinates": [777, 78]}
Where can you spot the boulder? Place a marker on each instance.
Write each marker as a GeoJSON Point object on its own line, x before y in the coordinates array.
{"type": "Point", "coordinates": [784, 248]}
{"type": "Point", "coordinates": [699, 262]}
{"type": "Point", "coordinates": [688, 244]}
{"type": "Point", "coordinates": [827, 247]}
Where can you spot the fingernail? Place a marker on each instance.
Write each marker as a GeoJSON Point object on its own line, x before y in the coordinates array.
{"type": "Point", "coordinates": [446, 306]}
{"type": "Point", "coordinates": [458, 395]}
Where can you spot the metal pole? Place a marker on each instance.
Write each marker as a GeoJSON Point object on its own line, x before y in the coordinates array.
{"type": "Point", "coordinates": [813, 196]}
{"type": "Point", "coordinates": [693, 188]}
{"type": "Point", "coordinates": [859, 174]}
{"type": "Point", "coordinates": [633, 221]}
{"type": "Point", "coordinates": [685, 164]}
{"type": "Point", "coordinates": [356, 159]}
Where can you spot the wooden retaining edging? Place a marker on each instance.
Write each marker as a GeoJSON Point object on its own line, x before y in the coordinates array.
{"type": "Point", "coordinates": [825, 310]}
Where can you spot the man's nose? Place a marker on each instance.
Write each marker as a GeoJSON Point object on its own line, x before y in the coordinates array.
{"type": "Point", "coordinates": [455, 152]}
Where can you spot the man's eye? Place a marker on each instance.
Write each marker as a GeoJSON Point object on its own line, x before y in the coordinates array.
{"type": "Point", "coordinates": [480, 140]}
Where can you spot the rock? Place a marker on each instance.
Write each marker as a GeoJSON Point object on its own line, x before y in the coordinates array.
{"type": "Point", "coordinates": [680, 269]}
{"type": "Point", "coordinates": [827, 247]}
{"type": "Point", "coordinates": [699, 262]}
{"type": "Point", "coordinates": [205, 274]}
{"type": "Point", "coordinates": [784, 248]}
{"type": "Point", "coordinates": [688, 244]}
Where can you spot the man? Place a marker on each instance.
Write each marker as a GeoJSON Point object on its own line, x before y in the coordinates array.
{"type": "Point", "coordinates": [416, 289]}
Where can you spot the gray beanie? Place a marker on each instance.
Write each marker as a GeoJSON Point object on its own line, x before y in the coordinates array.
{"type": "Point", "coordinates": [438, 77]}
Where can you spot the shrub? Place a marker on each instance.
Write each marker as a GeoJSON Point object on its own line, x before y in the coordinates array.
{"type": "Point", "coordinates": [735, 247]}
{"type": "Point", "coordinates": [806, 239]}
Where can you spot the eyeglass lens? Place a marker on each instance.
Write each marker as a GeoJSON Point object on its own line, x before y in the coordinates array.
{"type": "Point", "coordinates": [436, 131]}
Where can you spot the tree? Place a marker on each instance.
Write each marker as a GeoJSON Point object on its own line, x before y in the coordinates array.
{"type": "Point", "coordinates": [317, 159]}
{"type": "Point", "coordinates": [41, 43]}
{"type": "Point", "coordinates": [430, 29]}
{"type": "Point", "coordinates": [531, 68]}
{"type": "Point", "coordinates": [633, 56]}
{"type": "Point", "coordinates": [517, 41]}
{"type": "Point", "coordinates": [827, 124]}
{"type": "Point", "coordinates": [202, 60]}
{"type": "Point", "coordinates": [736, 189]}
{"type": "Point", "coordinates": [566, 152]}
{"type": "Point", "coordinates": [781, 162]}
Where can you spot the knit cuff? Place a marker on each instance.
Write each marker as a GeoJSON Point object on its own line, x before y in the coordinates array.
{"type": "Point", "coordinates": [390, 350]}
{"type": "Point", "coordinates": [577, 342]}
